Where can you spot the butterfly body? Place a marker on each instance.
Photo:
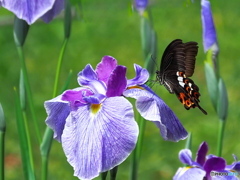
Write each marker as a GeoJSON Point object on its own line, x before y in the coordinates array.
{"type": "Point", "coordinates": [177, 65]}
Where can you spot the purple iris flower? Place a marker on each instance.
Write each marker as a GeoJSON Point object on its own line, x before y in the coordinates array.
{"type": "Point", "coordinates": [209, 32]}
{"type": "Point", "coordinates": [31, 10]}
{"type": "Point", "coordinates": [95, 122]}
{"type": "Point", "coordinates": [205, 167]}
{"type": "Point", "coordinates": [140, 5]}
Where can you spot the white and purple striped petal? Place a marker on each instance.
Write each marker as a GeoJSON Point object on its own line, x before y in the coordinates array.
{"type": "Point", "coordinates": [153, 108]}
{"type": "Point", "coordinates": [189, 173]}
{"type": "Point", "coordinates": [31, 10]}
{"type": "Point", "coordinates": [57, 111]}
{"type": "Point", "coordinates": [97, 142]}
{"type": "Point", "coordinates": [58, 108]}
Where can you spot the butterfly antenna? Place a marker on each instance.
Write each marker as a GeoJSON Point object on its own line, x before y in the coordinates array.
{"type": "Point", "coordinates": [154, 60]}
{"type": "Point", "coordinates": [204, 112]}
{"type": "Point", "coordinates": [151, 83]}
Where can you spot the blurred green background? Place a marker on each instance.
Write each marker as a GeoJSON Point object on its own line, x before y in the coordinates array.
{"type": "Point", "coordinates": [111, 28]}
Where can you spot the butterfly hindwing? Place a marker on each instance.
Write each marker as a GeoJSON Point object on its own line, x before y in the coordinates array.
{"type": "Point", "coordinates": [177, 65]}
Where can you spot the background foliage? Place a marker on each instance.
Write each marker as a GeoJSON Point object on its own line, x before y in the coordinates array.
{"type": "Point", "coordinates": [111, 28]}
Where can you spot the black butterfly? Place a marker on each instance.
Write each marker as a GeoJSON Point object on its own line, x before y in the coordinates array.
{"type": "Point", "coordinates": [178, 63]}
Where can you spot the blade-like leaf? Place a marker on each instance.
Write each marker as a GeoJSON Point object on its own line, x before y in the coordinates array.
{"type": "Point", "coordinates": [222, 106]}
{"type": "Point", "coordinates": [211, 84]}
{"type": "Point", "coordinates": [2, 141]}
{"type": "Point", "coordinates": [24, 141]}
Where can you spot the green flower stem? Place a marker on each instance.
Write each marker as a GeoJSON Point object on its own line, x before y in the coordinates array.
{"type": "Point", "coordinates": [59, 66]}
{"type": "Point", "coordinates": [220, 137]}
{"type": "Point", "coordinates": [25, 145]}
{"type": "Point", "coordinates": [137, 150]}
{"type": "Point", "coordinates": [113, 173]}
{"type": "Point", "coordinates": [28, 91]}
{"type": "Point", "coordinates": [48, 135]}
{"type": "Point", "coordinates": [104, 175]}
{"type": "Point", "coordinates": [2, 141]}
{"type": "Point", "coordinates": [2, 147]}
{"type": "Point", "coordinates": [26, 128]}
{"type": "Point", "coordinates": [45, 149]}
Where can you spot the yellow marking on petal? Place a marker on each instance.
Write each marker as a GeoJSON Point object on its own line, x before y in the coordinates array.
{"type": "Point", "coordinates": [133, 87]}
{"type": "Point", "coordinates": [187, 167]}
{"type": "Point", "coordinates": [95, 108]}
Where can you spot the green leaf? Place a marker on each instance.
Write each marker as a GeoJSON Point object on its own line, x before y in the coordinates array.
{"type": "Point", "coordinates": [20, 31]}
{"type": "Point", "coordinates": [2, 120]}
{"type": "Point", "coordinates": [22, 91]}
{"type": "Point", "coordinates": [67, 81]}
{"type": "Point", "coordinates": [2, 141]}
{"type": "Point", "coordinates": [149, 44]}
{"type": "Point", "coordinates": [150, 64]}
{"type": "Point", "coordinates": [146, 35]}
{"type": "Point", "coordinates": [48, 134]}
{"type": "Point", "coordinates": [212, 83]}
{"type": "Point", "coordinates": [67, 19]}
{"type": "Point", "coordinates": [189, 142]}
{"type": "Point", "coordinates": [24, 141]}
{"type": "Point", "coordinates": [75, 2]}
{"type": "Point", "coordinates": [222, 106]}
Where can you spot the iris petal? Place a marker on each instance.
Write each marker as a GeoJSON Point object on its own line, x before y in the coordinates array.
{"type": "Point", "coordinates": [55, 10]}
{"type": "Point", "coordinates": [57, 111]}
{"type": "Point", "coordinates": [87, 75]}
{"type": "Point", "coordinates": [185, 157]}
{"type": "Point", "coordinates": [141, 4]}
{"type": "Point", "coordinates": [229, 177]}
{"type": "Point", "coordinates": [95, 99]}
{"type": "Point", "coordinates": [105, 68]}
{"type": "Point", "coordinates": [209, 32]}
{"type": "Point", "coordinates": [201, 154]}
{"type": "Point", "coordinates": [117, 82]}
{"type": "Point", "coordinates": [142, 76]}
{"type": "Point", "coordinates": [188, 173]}
{"type": "Point", "coordinates": [76, 95]}
{"type": "Point", "coordinates": [214, 164]}
{"type": "Point", "coordinates": [30, 10]}
{"type": "Point", "coordinates": [234, 166]}
{"type": "Point", "coordinates": [95, 143]}
{"type": "Point", "coordinates": [153, 108]}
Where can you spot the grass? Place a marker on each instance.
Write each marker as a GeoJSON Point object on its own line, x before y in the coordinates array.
{"type": "Point", "coordinates": [108, 28]}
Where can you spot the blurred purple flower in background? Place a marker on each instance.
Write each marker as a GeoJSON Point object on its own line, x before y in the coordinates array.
{"type": "Point", "coordinates": [205, 166]}
{"type": "Point", "coordinates": [140, 5]}
{"type": "Point", "coordinates": [31, 10]}
{"type": "Point", "coordinates": [209, 32]}
{"type": "Point", "coordinates": [95, 122]}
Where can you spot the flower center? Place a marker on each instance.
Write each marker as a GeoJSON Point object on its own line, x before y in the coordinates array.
{"type": "Point", "coordinates": [95, 108]}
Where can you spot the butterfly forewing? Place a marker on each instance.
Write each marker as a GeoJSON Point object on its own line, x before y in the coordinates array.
{"type": "Point", "coordinates": [178, 63]}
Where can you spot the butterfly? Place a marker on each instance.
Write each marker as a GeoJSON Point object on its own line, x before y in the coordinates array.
{"type": "Point", "coordinates": [177, 65]}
